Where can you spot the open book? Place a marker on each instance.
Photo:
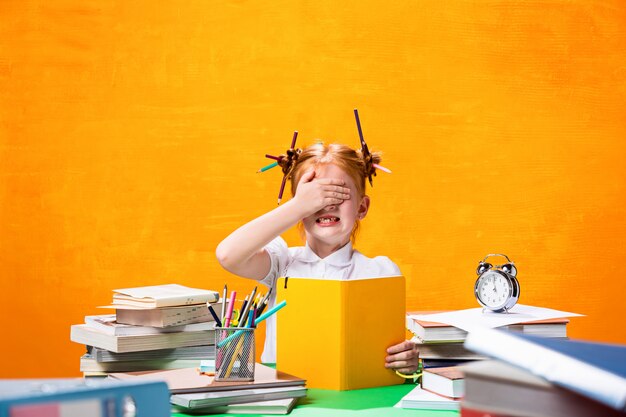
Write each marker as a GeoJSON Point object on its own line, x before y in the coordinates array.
{"type": "Point", "coordinates": [336, 332]}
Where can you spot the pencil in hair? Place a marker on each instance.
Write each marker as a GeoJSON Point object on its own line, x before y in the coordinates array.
{"type": "Point", "coordinates": [282, 189]}
{"type": "Point", "coordinates": [358, 126]}
{"type": "Point", "coordinates": [266, 167]}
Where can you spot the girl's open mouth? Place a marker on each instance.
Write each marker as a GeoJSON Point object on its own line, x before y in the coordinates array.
{"type": "Point", "coordinates": [327, 220]}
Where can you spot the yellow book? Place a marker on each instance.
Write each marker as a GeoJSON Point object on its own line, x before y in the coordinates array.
{"type": "Point", "coordinates": [335, 333]}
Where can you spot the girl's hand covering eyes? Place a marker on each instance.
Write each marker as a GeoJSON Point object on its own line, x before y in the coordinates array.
{"type": "Point", "coordinates": [313, 194]}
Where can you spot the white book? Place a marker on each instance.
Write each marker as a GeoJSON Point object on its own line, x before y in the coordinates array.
{"type": "Point", "coordinates": [283, 406]}
{"type": "Point", "coordinates": [107, 323]}
{"type": "Point", "coordinates": [163, 295]}
{"type": "Point", "coordinates": [425, 400]}
{"type": "Point", "coordinates": [207, 399]}
{"type": "Point", "coordinates": [89, 364]}
{"type": "Point", "coordinates": [81, 333]}
{"type": "Point", "coordinates": [447, 381]}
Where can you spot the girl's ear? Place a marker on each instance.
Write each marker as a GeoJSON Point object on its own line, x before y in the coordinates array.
{"type": "Point", "coordinates": [364, 206]}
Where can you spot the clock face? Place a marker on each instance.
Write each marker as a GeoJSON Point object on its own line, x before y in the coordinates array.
{"type": "Point", "coordinates": [493, 289]}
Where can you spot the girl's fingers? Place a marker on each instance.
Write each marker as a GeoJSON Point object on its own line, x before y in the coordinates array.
{"type": "Point", "coordinates": [336, 188]}
{"type": "Point", "coordinates": [307, 176]}
{"type": "Point", "coordinates": [332, 201]}
{"type": "Point", "coordinates": [402, 366]}
{"type": "Point", "coordinates": [406, 370]}
{"type": "Point", "coordinates": [334, 194]}
{"type": "Point", "coordinates": [407, 345]}
{"type": "Point", "coordinates": [338, 196]}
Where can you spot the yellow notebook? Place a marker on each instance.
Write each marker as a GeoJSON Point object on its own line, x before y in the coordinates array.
{"type": "Point", "coordinates": [335, 333]}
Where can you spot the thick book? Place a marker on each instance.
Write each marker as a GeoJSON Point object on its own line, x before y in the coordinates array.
{"type": "Point", "coordinates": [446, 350]}
{"type": "Point", "coordinates": [165, 316]}
{"type": "Point", "coordinates": [108, 324]}
{"type": "Point", "coordinates": [189, 380]}
{"type": "Point", "coordinates": [89, 364]}
{"type": "Point", "coordinates": [81, 333]}
{"type": "Point", "coordinates": [446, 381]}
{"type": "Point", "coordinates": [187, 352]}
{"type": "Point", "coordinates": [163, 296]}
{"type": "Point", "coordinates": [213, 399]}
{"type": "Point", "coordinates": [335, 333]}
{"type": "Point", "coordinates": [499, 389]}
{"type": "Point", "coordinates": [595, 370]}
{"type": "Point", "coordinates": [419, 398]}
{"type": "Point", "coordinates": [283, 406]}
{"type": "Point", "coordinates": [434, 332]}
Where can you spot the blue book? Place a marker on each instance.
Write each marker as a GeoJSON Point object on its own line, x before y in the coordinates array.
{"type": "Point", "coordinates": [84, 397]}
{"type": "Point", "coordinates": [595, 370]}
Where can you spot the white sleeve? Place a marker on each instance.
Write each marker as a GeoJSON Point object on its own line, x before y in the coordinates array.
{"type": "Point", "coordinates": [279, 257]}
{"type": "Point", "coordinates": [387, 268]}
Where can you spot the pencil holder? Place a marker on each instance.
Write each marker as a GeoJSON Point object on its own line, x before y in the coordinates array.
{"type": "Point", "coordinates": [234, 354]}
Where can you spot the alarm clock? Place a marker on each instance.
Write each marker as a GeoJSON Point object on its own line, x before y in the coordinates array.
{"type": "Point", "coordinates": [496, 288]}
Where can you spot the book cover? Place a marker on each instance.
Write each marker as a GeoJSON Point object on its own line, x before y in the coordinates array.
{"type": "Point", "coordinates": [446, 381]}
{"type": "Point", "coordinates": [498, 388]}
{"type": "Point", "coordinates": [562, 362]}
{"type": "Point", "coordinates": [335, 333]}
{"type": "Point", "coordinates": [163, 295]}
{"type": "Point", "coordinates": [81, 333]}
{"type": "Point", "coordinates": [189, 380]}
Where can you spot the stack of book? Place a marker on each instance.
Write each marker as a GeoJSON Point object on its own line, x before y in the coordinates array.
{"type": "Point", "coordinates": [271, 391]}
{"type": "Point", "coordinates": [442, 344]}
{"type": "Point", "coordinates": [442, 351]}
{"type": "Point", "coordinates": [155, 327]}
{"type": "Point", "coordinates": [441, 389]}
{"type": "Point", "coordinates": [530, 376]}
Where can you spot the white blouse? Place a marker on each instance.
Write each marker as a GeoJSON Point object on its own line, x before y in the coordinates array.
{"type": "Point", "coordinates": [302, 262]}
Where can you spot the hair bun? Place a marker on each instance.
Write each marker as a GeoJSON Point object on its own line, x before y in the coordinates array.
{"type": "Point", "coordinates": [369, 159]}
{"type": "Point", "coordinates": [288, 161]}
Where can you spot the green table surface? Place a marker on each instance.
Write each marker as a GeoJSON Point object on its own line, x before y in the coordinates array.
{"type": "Point", "coordinates": [364, 402]}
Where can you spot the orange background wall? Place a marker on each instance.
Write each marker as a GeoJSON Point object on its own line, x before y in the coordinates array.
{"type": "Point", "coordinates": [130, 133]}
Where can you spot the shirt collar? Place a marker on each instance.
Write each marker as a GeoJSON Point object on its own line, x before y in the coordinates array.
{"type": "Point", "coordinates": [339, 258]}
